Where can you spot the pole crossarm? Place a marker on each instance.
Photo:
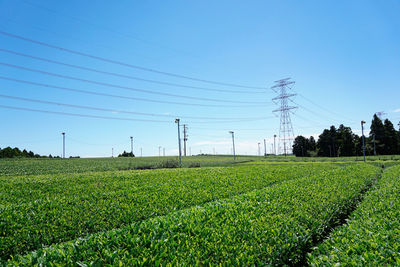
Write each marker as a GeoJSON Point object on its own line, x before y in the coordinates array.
{"type": "Point", "coordinates": [283, 96]}
{"type": "Point", "coordinates": [284, 109]}
{"type": "Point", "coordinates": [280, 83]}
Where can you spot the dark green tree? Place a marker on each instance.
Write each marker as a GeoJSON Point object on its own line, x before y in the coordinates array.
{"type": "Point", "coordinates": [345, 141]}
{"type": "Point", "coordinates": [313, 144]}
{"type": "Point", "coordinates": [327, 143]}
{"type": "Point", "coordinates": [378, 130]}
{"type": "Point", "coordinates": [301, 145]}
{"type": "Point", "coordinates": [391, 139]}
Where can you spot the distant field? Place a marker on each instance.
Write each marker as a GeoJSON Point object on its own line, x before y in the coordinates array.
{"type": "Point", "coordinates": [252, 211]}
{"type": "Point", "coordinates": [79, 165]}
{"type": "Point", "coordinates": [11, 167]}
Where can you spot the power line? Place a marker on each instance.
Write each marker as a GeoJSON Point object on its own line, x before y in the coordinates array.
{"type": "Point", "coordinates": [104, 28]}
{"type": "Point", "coordinates": [323, 108]}
{"type": "Point", "coordinates": [117, 96]}
{"type": "Point", "coordinates": [306, 119]}
{"type": "Point", "coordinates": [79, 115]}
{"type": "Point", "coordinates": [107, 117]}
{"type": "Point", "coordinates": [312, 112]}
{"type": "Point", "coordinates": [126, 64]}
{"type": "Point", "coordinates": [122, 87]}
{"type": "Point", "coordinates": [124, 75]}
{"type": "Point", "coordinates": [116, 110]}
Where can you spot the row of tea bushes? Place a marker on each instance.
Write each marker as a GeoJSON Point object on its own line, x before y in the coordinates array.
{"type": "Point", "coordinates": [37, 211]}
{"type": "Point", "coordinates": [273, 225]}
{"type": "Point", "coordinates": [371, 236]}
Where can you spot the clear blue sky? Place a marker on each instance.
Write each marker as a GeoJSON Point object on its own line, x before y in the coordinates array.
{"type": "Point", "coordinates": [343, 56]}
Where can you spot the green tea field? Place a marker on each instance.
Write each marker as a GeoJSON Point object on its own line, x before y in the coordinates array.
{"type": "Point", "coordinates": [84, 212]}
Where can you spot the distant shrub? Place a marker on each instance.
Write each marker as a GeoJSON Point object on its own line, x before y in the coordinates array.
{"type": "Point", "coordinates": [145, 167]}
{"type": "Point", "coordinates": [126, 154]}
{"type": "Point", "coordinates": [194, 165]}
{"type": "Point", "coordinates": [169, 164]}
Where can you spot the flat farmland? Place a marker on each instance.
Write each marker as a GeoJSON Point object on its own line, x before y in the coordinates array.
{"type": "Point", "coordinates": [251, 213]}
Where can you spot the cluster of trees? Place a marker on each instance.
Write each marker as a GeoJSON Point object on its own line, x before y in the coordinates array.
{"type": "Point", "coordinates": [335, 142]}
{"type": "Point", "coordinates": [15, 152]}
{"type": "Point", "coordinates": [126, 154]}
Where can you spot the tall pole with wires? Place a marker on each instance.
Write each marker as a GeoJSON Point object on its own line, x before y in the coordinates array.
{"type": "Point", "coordinates": [274, 144]}
{"type": "Point", "coordinates": [363, 141]}
{"type": "Point", "coordinates": [131, 145]}
{"type": "Point", "coordinates": [233, 144]}
{"type": "Point", "coordinates": [63, 134]}
{"type": "Point", "coordinates": [185, 138]}
{"type": "Point", "coordinates": [265, 148]}
{"type": "Point", "coordinates": [286, 134]}
{"type": "Point", "coordinates": [373, 140]}
{"type": "Point", "coordinates": [179, 142]}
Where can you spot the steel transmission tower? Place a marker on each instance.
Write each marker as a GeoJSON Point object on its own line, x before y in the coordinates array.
{"type": "Point", "coordinates": [286, 134]}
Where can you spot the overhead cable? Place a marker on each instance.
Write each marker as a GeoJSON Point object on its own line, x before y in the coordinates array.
{"type": "Point", "coordinates": [122, 87]}
{"type": "Point", "coordinates": [118, 111]}
{"type": "Point", "coordinates": [125, 64]}
{"type": "Point", "coordinates": [118, 96]}
{"type": "Point", "coordinates": [124, 75]}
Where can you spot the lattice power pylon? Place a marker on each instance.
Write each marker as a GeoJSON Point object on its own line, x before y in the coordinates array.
{"type": "Point", "coordinates": [286, 134]}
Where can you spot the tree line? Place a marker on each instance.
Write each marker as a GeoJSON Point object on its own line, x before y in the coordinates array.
{"type": "Point", "coordinates": [383, 139]}
{"type": "Point", "coordinates": [15, 152]}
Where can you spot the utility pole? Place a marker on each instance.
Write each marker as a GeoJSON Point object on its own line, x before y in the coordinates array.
{"type": "Point", "coordinates": [185, 138]}
{"type": "Point", "coordinates": [259, 152]}
{"type": "Point", "coordinates": [141, 152]}
{"type": "Point", "coordinates": [63, 134]}
{"type": "Point", "coordinates": [164, 152]}
{"type": "Point", "coordinates": [112, 152]}
{"type": "Point", "coordinates": [363, 141]}
{"type": "Point", "coordinates": [233, 144]}
{"type": "Point", "coordinates": [373, 140]}
{"type": "Point", "coordinates": [159, 151]}
{"type": "Point", "coordinates": [179, 142]}
{"type": "Point", "coordinates": [265, 148]}
{"type": "Point", "coordinates": [274, 144]}
{"type": "Point", "coordinates": [132, 145]}
{"type": "Point", "coordinates": [286, 133]}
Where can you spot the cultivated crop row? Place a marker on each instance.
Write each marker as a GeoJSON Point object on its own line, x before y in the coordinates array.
{"type": "Point", "coordinates": [41, 210]}
{"type": "Point", "coordinates": [272, 225]}
{"type": "Point", "coordinates": [371, 237]}
{"type": "Point", "coordinates": [14, 167]}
